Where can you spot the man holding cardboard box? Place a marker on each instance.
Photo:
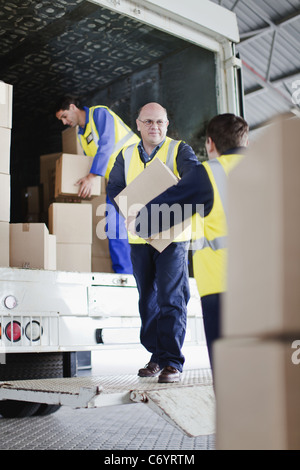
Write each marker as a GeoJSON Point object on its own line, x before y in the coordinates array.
{"type": "Point", "coordinates": [102, 134]}
{"type": "Point", "coordinates": [226, 139]}
{"type": "Point", "coordinates": [162, 277]}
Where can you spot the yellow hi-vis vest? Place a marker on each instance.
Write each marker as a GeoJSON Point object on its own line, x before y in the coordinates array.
{"type": "Point", "coordinates": [210, 248]}
{"type": "Point", "coordinates": [90, 139]}
{"type": "Point", "coordinates": [133, 166]}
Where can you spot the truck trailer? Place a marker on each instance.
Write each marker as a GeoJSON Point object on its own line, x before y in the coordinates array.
{"type": "Point", "coordinates": [180, 54]}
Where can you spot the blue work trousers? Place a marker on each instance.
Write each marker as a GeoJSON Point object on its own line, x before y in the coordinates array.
{"type": "Point", "coordinates": [116, 232]}
{"type": "Point", "coordinates": [163, 286]}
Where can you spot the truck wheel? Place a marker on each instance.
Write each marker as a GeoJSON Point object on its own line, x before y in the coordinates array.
{"type": "Point", "coordinates": [18, 409]}
{"type": "Point", "coordinates": [25, 366]}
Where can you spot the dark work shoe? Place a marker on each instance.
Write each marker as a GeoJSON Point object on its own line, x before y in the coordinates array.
{"type": "Point", "coordinates": [169, 375]}
{"type": "Point", "coordinates": [150, 370]}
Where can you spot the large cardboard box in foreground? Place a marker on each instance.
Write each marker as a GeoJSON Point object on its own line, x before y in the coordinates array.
{"type": "Point", "coordinates": [71, 222]}
{"type": "Point", "coordinates": [31, 246]}
{"type": "Point", "coordinates": [6, 92]}
{"type": "Point", "coordinates": [263, 295]}
{"type": "Point", "coordinates": [257, 385]}
{"type": "Point", "coordinates": [71, 168]}
{"type": "Point", "coordinates": [154, 180]}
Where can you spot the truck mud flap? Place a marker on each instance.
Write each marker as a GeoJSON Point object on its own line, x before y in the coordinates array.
{"type": "Point", "coordinates": [188, 405]}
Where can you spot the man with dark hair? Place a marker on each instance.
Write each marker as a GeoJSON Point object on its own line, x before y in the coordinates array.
{"type": "Point", "coordinates": [205, 185]}
{"type": "Point", "coordinates": [102, 135]}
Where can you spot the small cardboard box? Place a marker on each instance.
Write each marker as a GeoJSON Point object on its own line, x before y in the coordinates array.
{"type": "Point", "coordinates": [6, 97]}
{"type": "Point", "coordinates": [69, 170]}
{"type": "Point", "coordinates": [74, 257]}
{"type": "Point", "coordinates": [4, 244]}
{"type": "Point", "coordinates": [31, 246]}
{"type": "Point", "coordinates": [263, 295]}
{"type": "Point", "coordinates": [5, 138]}
{"type": "Point", "coordinates": [154, 180]}
{"type": "Point", "coordinates": [71, 222]}
{"type": "Point", "coordinates": [257, 385]}
{"type": "Point", "coordinates": [4, 198]}
{"type": "Point", "coordinates": [70, 142]}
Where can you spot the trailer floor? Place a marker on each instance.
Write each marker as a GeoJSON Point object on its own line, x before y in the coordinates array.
{"type": "Point", "coordinates": [120, 427]}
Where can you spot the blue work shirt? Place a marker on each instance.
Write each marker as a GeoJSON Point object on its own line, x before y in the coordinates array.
{"type": "Point", "coordinates": [105, 126]}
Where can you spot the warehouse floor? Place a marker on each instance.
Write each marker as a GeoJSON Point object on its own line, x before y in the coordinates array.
{"type": "Point", "coordinates": [131, 427]}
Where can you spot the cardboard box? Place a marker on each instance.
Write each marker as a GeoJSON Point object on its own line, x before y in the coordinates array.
{"type": "Point", "coordinates": [31, 246]}
{"type": "Point", "coordinates": [257, 385]}
{"type": "Point", "coordinates": [101, 264]}
{"type": "Point", "coordinates": [71, 222]}
{"type": "Point", "coordinates": [99, 239]}
{"type": "Point", "coordinates": [264, 231]}
{"type": "Point", "coordinates": [5, 140]}
{"type": "Point", "coordinates": [4, 244]}
{"type": "Point", "coordinates": [47, 178]}
{"type": "Point", "coordinates": [73, 257]}
{"type": "Point", "coordinates": [4, 198]}
{"type": "Point", "coordinates": [6, 97]}
{"type": "Point", "coordinates": [154, 180]}
{"type": "Point", "coordinates": [32, 203]}
{"type": "Point", "coordinates": [70, 142]}
{"type": "Point", "coordinates": [71, 168]}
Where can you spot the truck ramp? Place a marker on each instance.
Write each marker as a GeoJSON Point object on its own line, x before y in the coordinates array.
{"type": "Point", "coordinates": [188, 405]}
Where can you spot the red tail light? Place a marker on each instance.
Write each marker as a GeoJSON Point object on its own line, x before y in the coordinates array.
{"type": "Point", "coordinates": [13, 329]}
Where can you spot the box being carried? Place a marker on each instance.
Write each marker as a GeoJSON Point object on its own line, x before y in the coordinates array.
{"type": "Point", "coordinates": [70, 168]}
{"type": "Point", "coordinates": [154, 180]}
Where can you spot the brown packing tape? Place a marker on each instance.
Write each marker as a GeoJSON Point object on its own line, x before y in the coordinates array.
{"type": "Point", "coordinates": [25, 227]}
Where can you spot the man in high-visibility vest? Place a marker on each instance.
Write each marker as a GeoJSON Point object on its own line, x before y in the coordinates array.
{"type": "Point", "coordinates": [162, 278]}
{"type": "Point", "coordinates": [102, 134]}
{"type": "Point", "coordinates": [204, 190]}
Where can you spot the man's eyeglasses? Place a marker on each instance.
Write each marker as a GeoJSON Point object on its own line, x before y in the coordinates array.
{"type": "Point", "coordinates": [149, 122]}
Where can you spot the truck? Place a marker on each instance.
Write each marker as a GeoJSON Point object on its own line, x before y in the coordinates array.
{"type": "Point", "coordinates": [181, 54]}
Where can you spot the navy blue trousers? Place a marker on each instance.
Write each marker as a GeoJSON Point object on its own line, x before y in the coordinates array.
{"type": "Point", "coordinates": [211, 306]}
{"type": "Point", "coordinates": [163, 286]}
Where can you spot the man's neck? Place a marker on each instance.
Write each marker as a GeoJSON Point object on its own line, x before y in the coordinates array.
{"type": "Point", "coordinates": [82, 118]}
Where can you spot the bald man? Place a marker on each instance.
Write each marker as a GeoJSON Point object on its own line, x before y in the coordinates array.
{"type": "Point", "coordinates": [162, 278]}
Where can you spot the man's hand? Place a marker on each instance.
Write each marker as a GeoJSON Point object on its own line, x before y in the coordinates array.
{"type": "Point", "coordinates": [86, 184]}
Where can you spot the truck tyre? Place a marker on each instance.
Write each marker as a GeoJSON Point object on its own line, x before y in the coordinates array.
{"type": "Point", "coordinates": [23, 366]}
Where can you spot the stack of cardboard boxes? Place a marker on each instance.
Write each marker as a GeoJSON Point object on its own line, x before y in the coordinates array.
{"type": "Point", "coordinates": [5, 139]}
{"type": "Point", "coordinates": [257, 374]}
{"type": "Point", "coordinates": [71, 219]}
